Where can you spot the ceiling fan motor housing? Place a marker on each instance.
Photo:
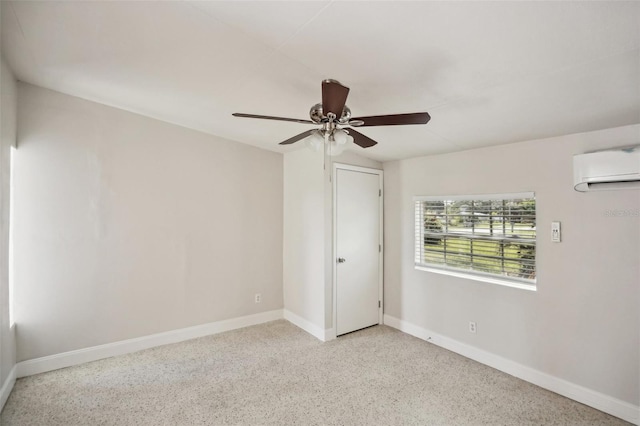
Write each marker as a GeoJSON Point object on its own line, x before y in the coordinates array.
{"type": "Point", "coordinates": [317, 116]}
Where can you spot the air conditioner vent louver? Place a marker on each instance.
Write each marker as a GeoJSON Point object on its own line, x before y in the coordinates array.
{"type": "Point", "coordinates": [606, 170]}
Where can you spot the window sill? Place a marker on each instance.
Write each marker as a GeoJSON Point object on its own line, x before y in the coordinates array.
{"type": "Point", "coordinates": [482, 278]}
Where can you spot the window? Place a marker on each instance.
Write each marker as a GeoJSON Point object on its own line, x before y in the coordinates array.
{"type": "Point", "coordinates": [492, 236]}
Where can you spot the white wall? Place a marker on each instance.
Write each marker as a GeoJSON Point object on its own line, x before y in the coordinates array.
{"type": "Point", "coordinates": [127, 226]}
{"type": "Point", "coordinates": [8, 95]}
{"type": "Point", "coordinates": [304, 224]}
{"type": "Point", "coordinates": [307, 258]}
{"type": "Point", "coordinates": [582, 324]}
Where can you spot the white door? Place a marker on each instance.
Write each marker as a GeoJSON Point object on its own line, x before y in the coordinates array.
{"type": "Point", "coordinates": [357, 249]}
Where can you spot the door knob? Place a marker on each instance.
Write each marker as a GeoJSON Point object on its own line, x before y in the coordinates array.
{"type": "Point", "coordinates": [341, 260]}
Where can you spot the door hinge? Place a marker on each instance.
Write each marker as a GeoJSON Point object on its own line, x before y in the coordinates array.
{"type": "Point", "coordinates": [379, 304]}
{"type": "Point", "coordinates": [379, 248]}
{"type": "Point", "coordinates": [379, 192]}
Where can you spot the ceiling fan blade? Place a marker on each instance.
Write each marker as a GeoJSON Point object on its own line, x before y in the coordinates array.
{"type": "Point", "coordinates": [334, 97]}
{"type": "Point", "coordinates": [395, 119]}
{"type": "Point", "coordinates": [296, 138]}
{"type": "Point", "coordinates": [268, 117]}
{"type": "Point", "coordinates": [362, 140]}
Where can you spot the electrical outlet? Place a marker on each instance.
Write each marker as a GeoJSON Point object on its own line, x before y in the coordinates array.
{"type": "Point", "coordinates": [472, 327]}
{"type": "Point", "coordinates": [258, 298]}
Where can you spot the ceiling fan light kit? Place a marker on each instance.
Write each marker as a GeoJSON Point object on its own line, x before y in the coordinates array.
{"type": "Point", "coordinates": [334, 116]}
{"type": "Point", "coordinates": [315, 141]}
{"type": "Point", "coordinates": [335, 143]}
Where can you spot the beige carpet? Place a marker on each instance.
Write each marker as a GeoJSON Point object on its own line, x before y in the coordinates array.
{"type": "Point", "coordinates": [275, 373]}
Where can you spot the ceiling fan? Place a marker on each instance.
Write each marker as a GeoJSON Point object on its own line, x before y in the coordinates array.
{"type": "Point", "coordinates": [333, 115]}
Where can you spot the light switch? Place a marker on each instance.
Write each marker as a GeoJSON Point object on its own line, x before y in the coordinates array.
{"type": "Point", "coordinates": [555, 232]}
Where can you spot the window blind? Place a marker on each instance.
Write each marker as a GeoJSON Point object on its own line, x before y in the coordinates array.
{"type": "Point", "coordinates": [484, 234]}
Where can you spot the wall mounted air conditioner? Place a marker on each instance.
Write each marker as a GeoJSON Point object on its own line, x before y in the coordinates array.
{"type": "Point", "coordinates": [611, 169]}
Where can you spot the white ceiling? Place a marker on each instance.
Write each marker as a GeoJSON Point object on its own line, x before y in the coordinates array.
{"type": "Point", "coordinates": [489, 73]}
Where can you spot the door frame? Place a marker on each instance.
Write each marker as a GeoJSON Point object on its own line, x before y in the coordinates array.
{"type": "Point", "coordinates": [334, 249]}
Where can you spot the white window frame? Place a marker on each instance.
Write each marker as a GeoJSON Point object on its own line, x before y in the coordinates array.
{"type": "Point", "coordinates": [488, 277]}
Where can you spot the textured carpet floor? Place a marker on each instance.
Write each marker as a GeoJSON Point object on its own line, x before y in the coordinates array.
{"type": "Point", "coordinates": [275, 373]}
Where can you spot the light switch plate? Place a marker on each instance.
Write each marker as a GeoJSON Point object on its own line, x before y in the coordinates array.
{"type": "Point", "coordinates": [555, 232]}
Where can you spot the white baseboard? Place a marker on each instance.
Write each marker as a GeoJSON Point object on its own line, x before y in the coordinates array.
{"type": "Point", "coordinates": [329, 334]}
{"type": "Point", "coordinates": [7, 387]}
{"type": "Point", "coordinates": [597, 400]}
{"type": "Point", "coordinates": [314, 330]}
{"type": "Point", "coordinates": [68, 359]}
